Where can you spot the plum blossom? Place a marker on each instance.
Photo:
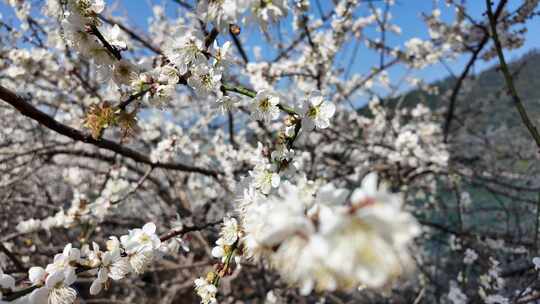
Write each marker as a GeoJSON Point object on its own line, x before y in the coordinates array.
{"type": "Point", "coordinates": [110, 264]}
{"type": "Point", "coordinates": [187, 51]}
{"type": "Point", "coordinates": [206, 291]}
{"type": "Point", "coordinates": [115, 38]}
{"type": "Point", "coordinates": [323, 242]}
{"type": "Point", "coordinates": [123, 72]}
{"type": "Point", "coordinates": [140, 245]}
{"type": "Point", "coordinates": [264, 179]}
{"type": "Point", "coordinates": [205, 80]}
{"type": "Point", "coordinates": [265, 12]}
{"type": "Point", "coordinates": [65, 262]}
{"type": "Point", "coordinates": [300, 207]}
{"type": "Point", "coordinates": [29, 225]}
{"type": "Point", "coordinates": [229, 234]}
{"type": "Point", "coordinates": [141, 240]}
{"type": "Point", "coordinates": [496, 299]}
{"type": "Point", "coordinates": [264, 106]}
{"type": "Point", "coordinates": [227, 103]}
{"type": "Point", "coordinates": [536, 262]}
{"type": "Point", "coordinates": [316, 112]}
{"type": "Point", "coordinates": [56, 289]}
{"type": "Point", "coordinates": [221, 13]}
{"type": "Point", "coordinates": [470, 256]}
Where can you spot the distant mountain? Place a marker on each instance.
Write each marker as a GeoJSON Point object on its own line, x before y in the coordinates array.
{"type": "Point", "coordinates": [486, 84]}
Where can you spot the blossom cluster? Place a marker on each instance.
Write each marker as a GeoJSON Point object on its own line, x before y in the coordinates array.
{"type": "Point", "coordinates": [80, 23]}
{"type": "Point", "coordinates": [131, 253]}
{"type": "Point", "coordinates": [232, 12]}
{"type": "Point", "coordinates": [326, 238]}
{"type": "Point", "coordinates": [226, 246]}
{"type": "Point", "coordinates": [416, 140]}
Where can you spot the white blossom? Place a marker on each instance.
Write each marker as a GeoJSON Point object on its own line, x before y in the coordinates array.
{"type": "Point", "coordinates": [456, 296]}
{"type": "Point", "coordinates": [264, 106]}
{"type": "Point", "coordinates": [206, 291]}
{"type": "Point", "coordinates": [56, 289]}
{"type": "Point", "coordinates": [536, 262]}
{"type": "Point", "coordinates": [470, 256]}
{"type": "Point", "coordinates": [362, 244]}
{"type": "Point", "coordinates": [205, 80]}
{"type": "Point", "coordinates": [141, 240]}
{"type": "Point", "coordinates": [187, 51]}
{"type": "Point", "coordinates": [265, 179]}
{"type": "Point", "coordinates": [316, 112]}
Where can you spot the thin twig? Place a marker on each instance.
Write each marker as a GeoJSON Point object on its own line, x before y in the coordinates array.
{"type": "Point", "coordinates": [122, 106]}
{"type": "Point", "coordinates": [137, 186]}
{"type": "Point", "coordinates": [239, 47]}
{"type": "Point", "coordinates": [115, 52]}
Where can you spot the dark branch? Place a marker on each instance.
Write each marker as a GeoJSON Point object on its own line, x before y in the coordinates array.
{"type": "Point", "coordinates": [116, 53]}
{"type": "Point", "coordinates": [508, 76]}
{"type": "Point", "coordinates": [459, 83]}
{"type": "Point", "coordinates": [44, 119]}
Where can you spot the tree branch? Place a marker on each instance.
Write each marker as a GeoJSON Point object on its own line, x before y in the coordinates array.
{"type": "Point", "coordinates": [508, 77]}
{"type": "Point", "coordinates": [132, 34]}
{"type": "Point", "coordinates": [239, 46]}
{"type": "Point", "coordinates": [116, 53]}
{"type": "Point", "coordinates": [459, 83]}
{"type": "Point", "coordinates": [44, 119]}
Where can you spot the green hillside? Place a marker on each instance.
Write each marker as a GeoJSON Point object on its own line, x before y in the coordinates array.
{"type": "Point", "coordinates": [490, 84]}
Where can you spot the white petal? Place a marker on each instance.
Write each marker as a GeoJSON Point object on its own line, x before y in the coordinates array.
{"type": "Point", "coordinates": [6, 281]}
{"type": "Point", "coordinates": [358, 195]}
{"type": "Point", "coordinates": [275, 180]}
{"type": "Point", "coordinates": [536, 262]}
{"type": "Point", "coordinates": [119, 269]}
{"type": "Point", "coordinates": [306, 287]}
{"type": "Point", "coordinates": [70, 276]}
{"type": "Point", "coordinates": [98, 6]}
{"type": "Point", "coordinates": [36, 274]}
{"type": "Point", "coordinates": [115, 31]}
{"type": "Point", "coordinates": [218, 252]}
{"type": "Point", "coordinates": [39, 296]}
{"type": "Point", "coordinates": [369, 183]}
{"type": "Point", "coordinates": [315, 98]}
{"type": "Point", "coordinates": [328, 109]}
{"type": "Point", "coordinates": [149, 228]}
{"type": "Point", "coordinates": [54, 278]}
{"type": "Point", "coordinates": [74, 254]}
{"type": "Point", "coordinates": [322, 123]}
{"type": "Point", "coordinates": [274, 100]}
{"type": "Point", "coordinates": [67, 250]}
{"type": "Point", "coordinates": [96, 287]}
{"type": "Point", "coordinates": [102, 275]}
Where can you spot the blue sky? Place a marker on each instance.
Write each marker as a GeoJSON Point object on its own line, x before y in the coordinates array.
{"type": "Point", "coordinates": [406, 14]}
